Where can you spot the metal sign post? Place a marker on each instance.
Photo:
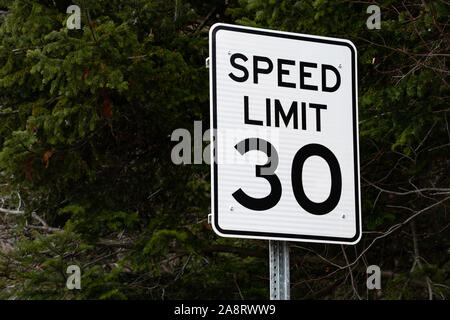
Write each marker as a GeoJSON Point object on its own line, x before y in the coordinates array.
{"type": "Point", "coordinates": [279, 270]}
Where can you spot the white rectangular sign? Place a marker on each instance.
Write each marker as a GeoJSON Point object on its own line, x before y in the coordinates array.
{"type": "Point", "coordinates": [285, 117]}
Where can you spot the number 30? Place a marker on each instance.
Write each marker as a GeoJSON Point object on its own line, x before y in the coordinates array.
{"type": "Point", "coordinates": [268, 202]}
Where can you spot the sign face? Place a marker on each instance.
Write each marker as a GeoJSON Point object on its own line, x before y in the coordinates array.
{"type": "Point", "coordinates": [285, 140]}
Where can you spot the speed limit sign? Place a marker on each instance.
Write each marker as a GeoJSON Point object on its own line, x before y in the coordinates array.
{"type": "Point", "coordinates": [284, 115]}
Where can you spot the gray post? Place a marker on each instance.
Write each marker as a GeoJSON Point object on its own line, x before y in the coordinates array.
{"type": "Point", "coordinates": [279, 270]}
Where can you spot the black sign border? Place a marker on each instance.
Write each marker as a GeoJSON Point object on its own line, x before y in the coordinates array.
{"type": "Point", "coordinates": [297, 237]}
